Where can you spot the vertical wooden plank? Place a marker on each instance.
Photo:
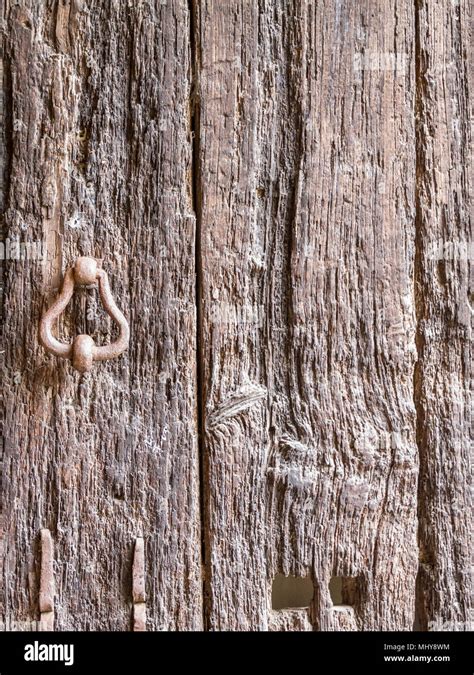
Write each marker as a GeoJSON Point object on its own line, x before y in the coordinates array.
{"type": "Point", "coordinates": [3, 173]}
{"type": "Point", "coordinates": [307, 158]}
{"type": "Point", "coordinates": [101, 165]}
{"type": "Point", "coordinates": [444, 303]}
{"type": "Point", "coordinates": [234, 390]}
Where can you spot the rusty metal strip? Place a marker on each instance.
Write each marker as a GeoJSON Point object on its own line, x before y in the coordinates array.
{"type": "Point", "coordinates": [138, 586]}
{"type": "Point", "coordinates": [47, 586]}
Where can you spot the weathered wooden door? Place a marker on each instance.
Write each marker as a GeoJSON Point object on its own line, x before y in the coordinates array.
{"type": "Point", "coordinates": [278, 191]}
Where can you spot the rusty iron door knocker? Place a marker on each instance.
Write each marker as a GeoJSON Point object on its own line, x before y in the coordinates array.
{"type": "Point", "coordinates": [83, 351]}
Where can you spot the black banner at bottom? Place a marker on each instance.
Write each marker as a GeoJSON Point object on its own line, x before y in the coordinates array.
{"type": "Point", "coordinates": [442, 652]}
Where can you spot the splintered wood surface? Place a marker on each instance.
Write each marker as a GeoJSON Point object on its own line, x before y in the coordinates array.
{"type": "Point", "coordinates": [279, 192]}
{"type": "Point", "coordinates": [308, 247]}
{"type": "Point", "coordinates": [100, 157]}
{"type": "Point", "coordinates": [445, 301]}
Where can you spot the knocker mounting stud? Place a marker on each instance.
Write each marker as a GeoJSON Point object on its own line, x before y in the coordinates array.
{"type": "Point", "coordinates": [83, 351]}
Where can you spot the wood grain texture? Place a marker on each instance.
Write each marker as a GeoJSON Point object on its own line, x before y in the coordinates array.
{"type": "Point", "coordinates": [279, 190]}
{"type": "Point", "coordinates": [445, 303]}
{"type": "Point", "coordinates": [307, 168]}
{"type": "Point", "coordinates": [101, 166]}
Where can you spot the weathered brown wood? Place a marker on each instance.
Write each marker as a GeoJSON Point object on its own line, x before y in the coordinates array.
{"type": "Point", "coordinates": [100, 165]}
{"type": "Point", "coordinates": [307, 161]}
{"type": "Point", "coordinates": [279, 191]}
{"type": "Point", "coordinates": [444, 307]}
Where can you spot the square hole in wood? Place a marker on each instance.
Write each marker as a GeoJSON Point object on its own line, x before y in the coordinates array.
{"type": "Point", "coordinates": [292, 592]}
{"type": "Point", "coordinates": [344, 590]}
